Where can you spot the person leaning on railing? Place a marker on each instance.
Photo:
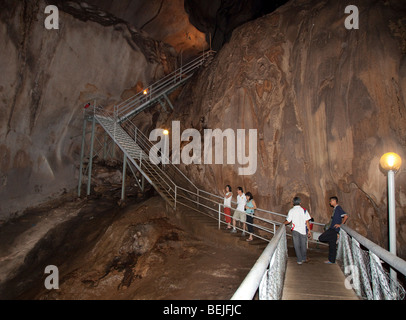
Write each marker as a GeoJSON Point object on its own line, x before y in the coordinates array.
{"type": "Point", "coordinates": [330, 236]}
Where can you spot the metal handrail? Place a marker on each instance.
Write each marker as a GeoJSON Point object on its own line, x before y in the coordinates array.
{"type": "Point", "coordinates": [250, 285]}
{"type": "Point", "coordinates": [216, 207]}
{"type": "Point", "coordinates": [391, 259]}
{"type": "Point", "coordinates": [168, 173]}
{"type": "Point", "coordinates": [129, 126]}
{"type": "Point", "coordinates": [163, 85]}
{"type": "Point", "coordinates": [196, 195]}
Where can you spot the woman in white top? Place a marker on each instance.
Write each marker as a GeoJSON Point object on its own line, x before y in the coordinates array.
{"type": "Point", "coordinates": [227, 205]}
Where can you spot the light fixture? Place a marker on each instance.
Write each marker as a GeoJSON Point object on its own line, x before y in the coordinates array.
{"type": "Point", "coordinates": [165, 132]}
{"type": "Point", "coordinates": [390, 161]}
{"type": "Point", "coordinates": [145, 91]}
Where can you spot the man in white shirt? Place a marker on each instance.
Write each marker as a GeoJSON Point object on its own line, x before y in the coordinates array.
{"type": "Point", "coordinates": [239, 213]}
{"type": "Point", "coordinates": [299, 218]}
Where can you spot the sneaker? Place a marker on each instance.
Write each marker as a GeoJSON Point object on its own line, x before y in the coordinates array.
{"type": "Point", "coordinates": [234, 231]}
{"type": "Point", "coordinates": [329, 262]}
{"type": "Point", "coordinates": [243, 234]}
{"type": "Point", "coordinates": [300, 263]}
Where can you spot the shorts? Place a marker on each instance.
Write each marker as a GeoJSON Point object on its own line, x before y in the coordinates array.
{"type": "Point", "coordinates": [240, 215]}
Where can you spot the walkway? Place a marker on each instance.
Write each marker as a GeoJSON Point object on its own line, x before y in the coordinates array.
{"type": "Point", "coordinates": [314, 280]}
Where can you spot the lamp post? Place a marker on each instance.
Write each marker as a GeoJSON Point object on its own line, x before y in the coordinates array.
{"type": "Point", "coordinates": [165, 157]}
{"type": "Point", "coordinates": [391, 163]}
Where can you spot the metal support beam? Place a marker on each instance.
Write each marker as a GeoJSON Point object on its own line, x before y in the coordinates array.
{"type": "Point", "coordinates": [123, 180]}
{"type": "Point", "coordinates": [105, 145]}
{"type": "Point", "coordinates": [167, 100]}
{"type": "Point", "coordinates": [89, 173]}
{"type": "Point", "coordinates": [82, 153]}
{"type": "Point", "coordinates": [163, 105]}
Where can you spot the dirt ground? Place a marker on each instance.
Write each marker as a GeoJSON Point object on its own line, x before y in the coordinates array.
{"type": "Point", "coordinates": [102, 251]}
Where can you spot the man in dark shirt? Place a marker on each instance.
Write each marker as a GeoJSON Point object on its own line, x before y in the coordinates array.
{"type": "Point", "coordinates": [330, 235]}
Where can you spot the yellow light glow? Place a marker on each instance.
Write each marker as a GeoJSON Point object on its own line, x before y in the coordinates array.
{"type": "Point", "coordinates": [145, 91]}
{"type": "Point", "coordinates": [165, 132]}
{"type": "Point", "coordinates": [390, 161]}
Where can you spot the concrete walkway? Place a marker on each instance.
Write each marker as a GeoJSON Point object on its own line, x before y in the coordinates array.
{"type": "Point", "coordinates": [315, 280]}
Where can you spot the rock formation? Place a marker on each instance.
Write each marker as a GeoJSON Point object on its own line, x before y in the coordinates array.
{"type": "Point", "coordinates": [327, 103]}
{"type": "Point", "coordinates": [47, 77]}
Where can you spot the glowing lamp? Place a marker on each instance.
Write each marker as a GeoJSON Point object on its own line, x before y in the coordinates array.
{"type": "Point", "coordinates": [165, 132]}
{"type": "Point", "coordinates": [145, 91]}
{"type": "Point", "coordinates": [390, 161]}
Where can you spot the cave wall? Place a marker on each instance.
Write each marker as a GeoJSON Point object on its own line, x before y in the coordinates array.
{"type": "Point", "coordinates": [163, 20]}
{"type": "Point", "coordinates": [46, 78]}
{"type": "Point", "coordinates": [327, 103]}
{"type": "Point", "coordinates": [218, 18]}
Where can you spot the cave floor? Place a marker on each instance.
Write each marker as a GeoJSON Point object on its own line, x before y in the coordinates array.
{"type": "Point", "coordinates": [103, 251]}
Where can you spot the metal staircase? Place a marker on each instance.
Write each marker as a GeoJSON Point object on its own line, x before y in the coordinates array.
{"type": "Point", "coordinates": [170, 182]}
{"type": "Point", "coordinates": [132, 142]}
{"type": "Point", "coordinates": [158, 91]}
{"type": "Point", "coordinates": [136, 149]}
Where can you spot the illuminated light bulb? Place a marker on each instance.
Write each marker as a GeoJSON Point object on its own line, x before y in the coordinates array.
{"type": "Point", "coordinates": [390, 161]}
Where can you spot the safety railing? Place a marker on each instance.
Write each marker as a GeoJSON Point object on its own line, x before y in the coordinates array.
{"type": "Point", "coordinates": [181, 190]}
{"type": "Point", "coordinates": [154, 174]}
{"type": "Point", "coordinates": [153, 92]}
{"type": "Point", "coordinates": [268, 273]}
{"type": "Point", "coordinates": [169, 170]}
{"type": "Point", "coordinates": [209, 205]}
{"type": "Point", "coordinates": [364, 269]}
{"type": "Point", "coordinates": [176, 186]}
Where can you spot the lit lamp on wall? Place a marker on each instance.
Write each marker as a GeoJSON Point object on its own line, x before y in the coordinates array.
{"type": "Point", "coordinates": [391, 163]}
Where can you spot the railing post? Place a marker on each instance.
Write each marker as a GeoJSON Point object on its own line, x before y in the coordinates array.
{"type": "Point", "coordinates": [198, 198]}
{"type": "Point", "coordinates": [219, 215]}
{"type": "Point", "coordinates": [123, 179]}
{"type": "Point", "coordinates": [82, 153]}
{"type": "Point", "coordinates": [115, 122]}
{"type": "Point", "coordinates": [176, 194]}
{"type": "Point", "coordinates": [89, 177]}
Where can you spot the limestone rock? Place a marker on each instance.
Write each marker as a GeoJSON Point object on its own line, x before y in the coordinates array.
{"type": "Point", "coordinates": [47, 77]}
{"type": "Point", "coordinates": [327, 103]}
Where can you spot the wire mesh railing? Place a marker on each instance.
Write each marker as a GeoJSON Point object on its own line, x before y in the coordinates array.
{"type": "Point", "coordinates": [363, 263]}
{"type": "Point", "coordinates": [268, 273]}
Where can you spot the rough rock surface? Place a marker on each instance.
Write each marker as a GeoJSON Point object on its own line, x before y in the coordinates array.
{"type": "Point", "coordinates": [164, 20]}
{"type": "Point", "coordinates": [327, 103]}
{"type": "Point", "coordinates": [46, 78]}
{"type": "Point", "coordinates": [218, 18]}
{"type": "Point", "coordinates": [103, 252]}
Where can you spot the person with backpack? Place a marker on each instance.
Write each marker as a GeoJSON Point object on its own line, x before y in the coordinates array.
{"type": "Point", "coordinates": [299, 218]}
